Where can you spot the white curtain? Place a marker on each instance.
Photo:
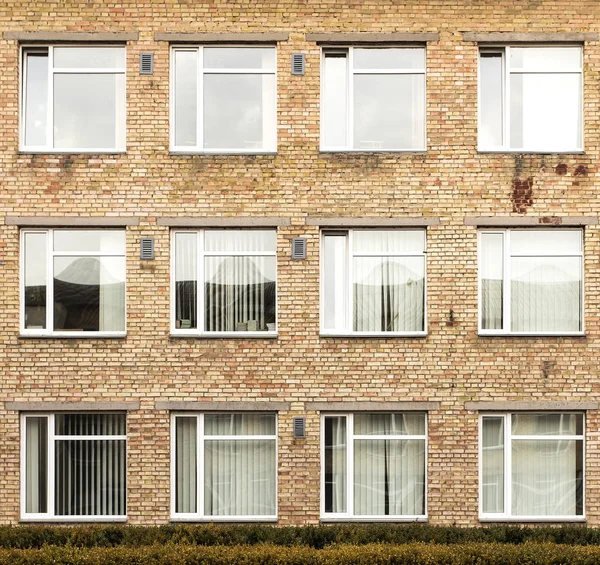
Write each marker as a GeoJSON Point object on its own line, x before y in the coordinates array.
{"type": "Point", "coordinates": [491, 268]}
{"type": "Point", "coordinates": [112, 294]}
{"type": "Point", "coordinates": [492, 488]}
{"type": "Point", "coordinates": [239, 474]}
{"type": "Point", "coordinates": [335, 464]}
{"type": "Point", "coordinates": [186, 461]}
{"type": "Point", "coordinates": [36, 464]}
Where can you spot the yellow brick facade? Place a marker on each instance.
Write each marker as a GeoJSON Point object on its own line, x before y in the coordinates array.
{"type": "Point", "coordinates": [452, 365]}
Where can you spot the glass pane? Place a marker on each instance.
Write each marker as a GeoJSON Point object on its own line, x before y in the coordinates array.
{"type": "Point", "coordinates": [534, 97]}
{"type": "Point", "coordinates": [85, 110]}
{"type": "Point", "coordinates": [107, 241]}
{"type": "Point", "coordinates": [335, 101]}
{"type": "Point", "coordinates": [335, 464]}
{"type": "Point", "coordinates": [239, 111]}
{"type": "Point", "coordinates": [186, 98]}
{"type": "Point", "coordinates": [335, 282]}
{"type": "Point", "coordinates": [546, 58]}
{"type": "Point", "coordinates": [89, 293]}
{"type": "Point", "coordinates": [186, 280]}
{"type": "Point", "coordinates": [491, 265]}
{"type": "Point", "coordinates": [389, 294]}
{"type": "Point", "coordinates": [239, 58]}
{"type": "Point", "coordinates": [90, 424]}
{"type": "Point", "coordinates": [389, 424]}
{"type": "Point", "coordinates": [36, 99]}
{"type": "Point", "coordinates": [546, 242]}
{"type": "Point", "coordinates": [389, 112]}
{"type": "Point", "coordinates": [491, 114]}
{"type": "Point", "coordinates": [240, 240]}
{"type": "Point", "coordinates": [492, 466]}
{"type": "Point", "coordinates": [36, 249]}
{"type": "Point", "coordinates": [239, 477]}
{"type": "Point", "coordinates": [547, 424]}
{"type": "Point", "coordinates": [404, 58]}
{"type": "Point", "coordinates": [547, 477]}
{"type": "Point", "coordinates": [89, 58]}
{"type": "Point", "coordinates": [546, 294]}
{"type": "Point", "coordinates": [239, 424]}
{"type": "Point", "coordinates": [389, 477]}
{"type": "Point", "coordinates": [36, 465]}
{"type": "Point", "coordinates": [392, 241]}
{"type": "Point", "coordinates": [186, 461]}
{"type": "Point", "coordinates": [240, 294]}
{"type": "Point", "coordinates": [90, 478]}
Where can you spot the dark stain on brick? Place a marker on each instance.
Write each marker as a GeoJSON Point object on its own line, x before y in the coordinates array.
{"type": "Point", "coordinates": [561, 169]}
{"type": "Point", "coordinates": [522, 194]}
{"type": "Point", "coordinates": [580, 171]}
{"type": "Point", "coordinates": [551, 220]}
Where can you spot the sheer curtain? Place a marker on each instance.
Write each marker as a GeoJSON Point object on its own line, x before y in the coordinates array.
{"type": "Point", "coordinates": [112, 293]}
{"type": "Point", "coordinates": [491, 259]}
{"type": "Point", "coordinates": [492, 490]}
{"type": "Point", "coordinates": [239, 474]}
{"type": "Point", "coordinates": [335, 464]}
{"type": "Point", "coordinates": [186, 462]}
{"type": "Point", "coordinates": [36, 464]}
{"type": "Point", "coordinates": [389, 474]}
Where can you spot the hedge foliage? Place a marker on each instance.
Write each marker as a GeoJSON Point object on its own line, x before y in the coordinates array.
{"type": "Point", "coordinates": [372, 554]}
{"type": "Point", "coordinates": [317, 537]}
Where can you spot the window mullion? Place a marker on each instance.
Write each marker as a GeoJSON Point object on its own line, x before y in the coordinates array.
{"type": "Point", "coordinates": [350, 463]}
{"type": "Point", "coordinates": [200, 98]}
{"type": "Point", "coordinates": [350, 86]}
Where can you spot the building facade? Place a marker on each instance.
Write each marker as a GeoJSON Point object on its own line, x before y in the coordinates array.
{"type": "Point", "coordinates": [382, 217]}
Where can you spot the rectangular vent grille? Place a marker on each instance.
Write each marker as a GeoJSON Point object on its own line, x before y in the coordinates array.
{"type": "Point", "coordinates": [147, 63]}
{"type": "Point", "coordinates": [147, 251]}
{"type": "Point", "coordinates": [299, 248]}
{"type": "Point", "coordinates": [299, 427]}
{"type": "Point", "coordinates": [298, 63]}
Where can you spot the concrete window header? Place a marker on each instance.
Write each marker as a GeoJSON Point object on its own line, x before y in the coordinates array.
{"type": "Point", "coordinates": [71, 36]}
{"type": "Point", "coordinates": [225, 37]}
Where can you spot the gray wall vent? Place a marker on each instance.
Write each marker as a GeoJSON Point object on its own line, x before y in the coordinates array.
{"type": "Point", "coordinates": [146, 63]}
{"type": "Point", "coordinates": [299, 427]}
{"type": "Point", "coordinates": [147, 248]}
{"type": "Point", "coordinates": [298, 63]}
{"type": "Point", "coordinates": [299, 248]}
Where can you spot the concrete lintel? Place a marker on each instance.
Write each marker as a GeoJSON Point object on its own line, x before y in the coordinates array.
{"type": "Point", "coordinates": [225, 37]}
{"type": "Point", "coordinates": [361, 37]}
{"type": "Point", "coordinates": [88, 406]}
{"type": "Point", "coordinates": [71, 221]}
{"type": "Point", "coordinates": [224, 406]}
{"type": "Point", "coordinates": [373, 406]}
{"type": "Point", "coordinates": [529, 37]}
{"type": "Point", "coordinates": [520, 406]}
{"type": "Point", "coordinates": [371, 222]}
{"type": "Point", "coordinates": [509, 221]}
{"type": "Point", "coordinates": [67, 36]}
{"type": "Point", "coordinates": [224, 222]}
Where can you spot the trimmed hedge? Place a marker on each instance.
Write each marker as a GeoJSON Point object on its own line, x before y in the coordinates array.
{"type": "Point", "coordinates": [374, 554]}
{"type": "Point", "coordinates": [318, 537]}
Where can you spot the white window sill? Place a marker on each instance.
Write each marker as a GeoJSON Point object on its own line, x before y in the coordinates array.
{"type": "Point", "coordinates": [73, 335]}
{"type": "Point", "coordinates": [421, 519]}
{"type": "Point", "coordinates": [373, 334]}
{"type": "Point", "coordinates": [74, 519]}
{"type": "Point", "coordinates": [541, 334]}
{"type": "Point", "coordinates": [416, 150]}
{"type": "Point", "coordinates": [225, 335]}
{"type": "Point", "coordinates": [25, 151]}
{"type": "Point", "coordinates": [533, 151]}
{"type": "Point", "coordinates": [234, 519]}
{"type": "Point", "coordinates": [532, 519]}
{"type": "Point", "coordinates": [224, 152]}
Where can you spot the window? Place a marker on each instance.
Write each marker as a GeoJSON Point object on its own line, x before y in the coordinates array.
{"type": "Point", "coordinates": [73, 282]}
{"type": "Point", "coordinates": [373, 99]}
{"type": "Point", "coordinates": [224, 466]}
{"type": "Point", "coordinates": [532, 466]}
{"type": "Point", "coordinates": [225, 99]}
{"type": "Point", "coordinates": [374, 466]}
{"type": "Point", "coordinates": [73, 99]}
{"type": "Point", "coordinates": [373, 282]}
{"type": "Point", "coordinates": [531, 281]}
{"type": "Point", "coordinates": [531, 99]}
{"type": "Point", "coordinates": [224, 281]}
{"type": "Point", "coordinates": [73, 466]}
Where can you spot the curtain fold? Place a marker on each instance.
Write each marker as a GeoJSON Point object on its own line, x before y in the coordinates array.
{"type": "Point", "coordinates": [186, 473]}
{"type": "Point", "coordinates": [335, 464]}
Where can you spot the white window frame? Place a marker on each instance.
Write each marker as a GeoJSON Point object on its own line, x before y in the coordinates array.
{"type": "Point", "coordinates": [120, 110]}
{"type": "Point", "coordinates": [200, 438]}
{"type": "Point", "coordinates": [202, 254]}
{"type": "Point", "coordinates": [349, 49]}
{"type": "Point", "coordinates": [199, 148]}
{"type": "Point", "coordinates": [349, 515]}
{"type": "Point", "coordinates": [350, 255]}
{"type": "Point", "coordinates": [506, 298]}
{"type": "Point", "coordinates": [50, 255]}
{"type": "Point", "coordinates": [506, 74]}
{"type": "Point", "coordinates": [506, 516]}
{"type": "Point", "coordinates": [52, 438]}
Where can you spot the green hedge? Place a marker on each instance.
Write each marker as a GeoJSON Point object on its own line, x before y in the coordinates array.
{"type": "Point", "coordinates": [318, 537]}
{"type": "Point", "coordinates": [374, 554]}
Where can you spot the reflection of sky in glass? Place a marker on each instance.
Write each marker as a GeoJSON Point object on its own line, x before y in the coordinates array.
{"type": "Point", "coordinates": [404, 58]}
{"type": "Point", "coordinates": [550, 270]}
{"type": "Point", "coordinates": [393, 241]}
{"type": "Point", "coordinates": [90, 240]}
{"type": "Point", "coordinates": [36, 99]}
{"type": "Point", "coordinates": [240, 270]}
{"type": "Point", "coordinates": [89, 58]}
{"type": "Point", "coordinates": [375, 270]}
{"type": "Point", "coordinates": [239, 58]}
{"type": "Point", "coordinates": [90, 270]}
